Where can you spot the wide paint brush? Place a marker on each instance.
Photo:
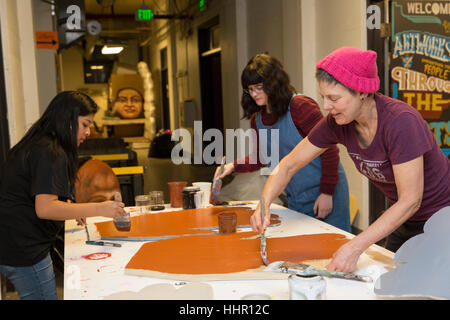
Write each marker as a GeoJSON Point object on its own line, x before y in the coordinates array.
{"type": "Point", "coordinates": [306, 270]}
{"type": "Point", "coordinates": [99, 243]}
{"type": "Point", "coordinates": [217, 184]}
{"type": "Point", "coordinates": [263, 247]}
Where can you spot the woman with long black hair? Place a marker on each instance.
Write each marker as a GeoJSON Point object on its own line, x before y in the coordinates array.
{"type": "Point", "coordinates": [37, 180]}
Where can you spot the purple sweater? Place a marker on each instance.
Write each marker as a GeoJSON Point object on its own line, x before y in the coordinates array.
{"type": "Point", "coordinates": [402, 135]}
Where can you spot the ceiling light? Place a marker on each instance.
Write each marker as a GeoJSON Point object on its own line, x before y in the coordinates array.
{"type": "Point", "coordinates": [96, 67]}
{"type": "Point", "coordinates": [111, 49]}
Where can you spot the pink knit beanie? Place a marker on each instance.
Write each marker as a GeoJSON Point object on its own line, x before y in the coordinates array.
{"type": "Point", "coordinates": [353, 67]}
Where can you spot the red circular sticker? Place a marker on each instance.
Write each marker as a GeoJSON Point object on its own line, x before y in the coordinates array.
{"type": "Point", "coordinates": [98, 256]}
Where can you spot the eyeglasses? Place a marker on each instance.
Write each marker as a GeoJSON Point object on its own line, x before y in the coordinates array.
{"type": "Point", "coordinates": [256, 90]}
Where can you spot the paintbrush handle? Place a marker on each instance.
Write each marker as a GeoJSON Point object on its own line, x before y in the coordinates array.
{"type": "Point", "coordinates": [217, 185]}
{"type": "Point", "coordinates": [117, 196]}
{"type": "Point", "coordinates": [87, 232]}
{"type": "Point", "coordinates": [343, 275]}
{"type": "Point", "coordinates": [262, 209]}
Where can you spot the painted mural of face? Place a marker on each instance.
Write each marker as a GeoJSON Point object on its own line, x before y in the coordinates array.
{"type": "Point", "coordinates": [128, 103]}
{"type": "Point", "coordinates": [96, 182]}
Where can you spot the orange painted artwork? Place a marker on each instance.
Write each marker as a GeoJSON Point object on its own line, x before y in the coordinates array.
{"type": "Point", "coordinates": [176, 223]}
{"type": "Point", "coordinates": [190, 243]}
{"type": "Point", "coordinates": [230, 253]}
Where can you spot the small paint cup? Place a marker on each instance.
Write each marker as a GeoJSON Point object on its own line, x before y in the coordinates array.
{"type": "Point", "coordinates": [123, 223]}
{"type": "Point", "coordinates": [206, 188]}
{"type": "Point", "coordinates": [176, 193]}
{"type": "Point", "coordinates": [156, 200]}
{"type": "Point", "coordinates": [142, 203]}
{"type": "Point", "coordinates": [227, 222]}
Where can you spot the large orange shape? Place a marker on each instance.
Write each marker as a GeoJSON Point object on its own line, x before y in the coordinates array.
{"type": "Point", "coordinates": [230, 253]}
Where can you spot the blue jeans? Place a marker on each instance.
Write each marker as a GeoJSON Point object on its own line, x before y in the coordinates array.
{"type": "Point", "coordinates": [36, 282]}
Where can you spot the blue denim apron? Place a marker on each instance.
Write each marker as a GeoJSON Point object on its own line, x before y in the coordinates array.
{"type": "Point", "coordinates": [303, 189]}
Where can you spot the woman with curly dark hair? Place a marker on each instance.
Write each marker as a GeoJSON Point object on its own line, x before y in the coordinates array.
{"type": "Point", "coordinates": [271, 102]}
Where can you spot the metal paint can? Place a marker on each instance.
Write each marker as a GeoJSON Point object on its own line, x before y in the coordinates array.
{"type": "Point", "coordinates": [189, 197]}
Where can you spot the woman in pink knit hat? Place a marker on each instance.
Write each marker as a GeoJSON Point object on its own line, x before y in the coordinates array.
{"type": "Point", "coordinates": [388, 141]}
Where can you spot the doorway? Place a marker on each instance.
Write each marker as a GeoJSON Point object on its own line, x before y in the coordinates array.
{"type": "Point", "coordinates": [165, 88]}
{"type": "Point", "coordinates": [210, 76]}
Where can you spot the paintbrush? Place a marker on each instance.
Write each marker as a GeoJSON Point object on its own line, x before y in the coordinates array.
{"type": "Point", "coordinates": [87, 232]}
{"type": "Point", "coordinates": [217, 184]}
{"type": "Point", "coordinates": [99, 243]}
{"type": "Point", "coordinates": [104, 243]}
{"type": "Point", "coordinates": [306, 270]}
{"type": "Point", "coordinates": [262, 246]}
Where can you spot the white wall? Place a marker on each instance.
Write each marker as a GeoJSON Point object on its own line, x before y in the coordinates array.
{"type": "Point", "coordinates": [275, 27]}
{"type": "Point", "coordinates": [292, 41]}
{"type": "Point", "coordinates": [265, 27]}
{"type": "Point", "coordinates": [326, 26]}
{"type": "Point", "coordinates": [19, 59]}
{"type": "Point", "coordinates": [45, 58]}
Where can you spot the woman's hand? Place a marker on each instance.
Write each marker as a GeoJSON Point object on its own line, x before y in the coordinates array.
{"type": "Point", "coordinates": [345, 258]}
{"type": "Point", "coordinates": [111, 209]}
{"type": "Point", "coordinates": [227, 169]}
{"type": "Point", "coordinates": [81, 222]}
{"type": "Point", "coordinates": [323, 205]}
{"type": "Point", "coordinates": [258, 226]}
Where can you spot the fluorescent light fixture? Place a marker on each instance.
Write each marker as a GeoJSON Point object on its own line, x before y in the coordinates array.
{"type": "Point", "coordinates": [111, 49]}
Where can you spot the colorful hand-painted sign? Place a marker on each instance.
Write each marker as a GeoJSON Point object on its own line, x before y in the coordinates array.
{"type": "Point", "coordinates": [420, 62]}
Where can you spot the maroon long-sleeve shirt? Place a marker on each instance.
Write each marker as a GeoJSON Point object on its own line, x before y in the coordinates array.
{"type": "Point", "coordinates": [305, 114]}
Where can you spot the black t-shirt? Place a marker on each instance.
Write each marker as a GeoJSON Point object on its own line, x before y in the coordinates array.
{"type": "Point", "coordinates": [26, 239]}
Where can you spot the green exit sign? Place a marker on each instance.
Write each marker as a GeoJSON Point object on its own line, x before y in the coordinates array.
{"type": "Point", "coordinates": [144, 15]}
{"type": "Point", "coordinates": [202, 5]}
